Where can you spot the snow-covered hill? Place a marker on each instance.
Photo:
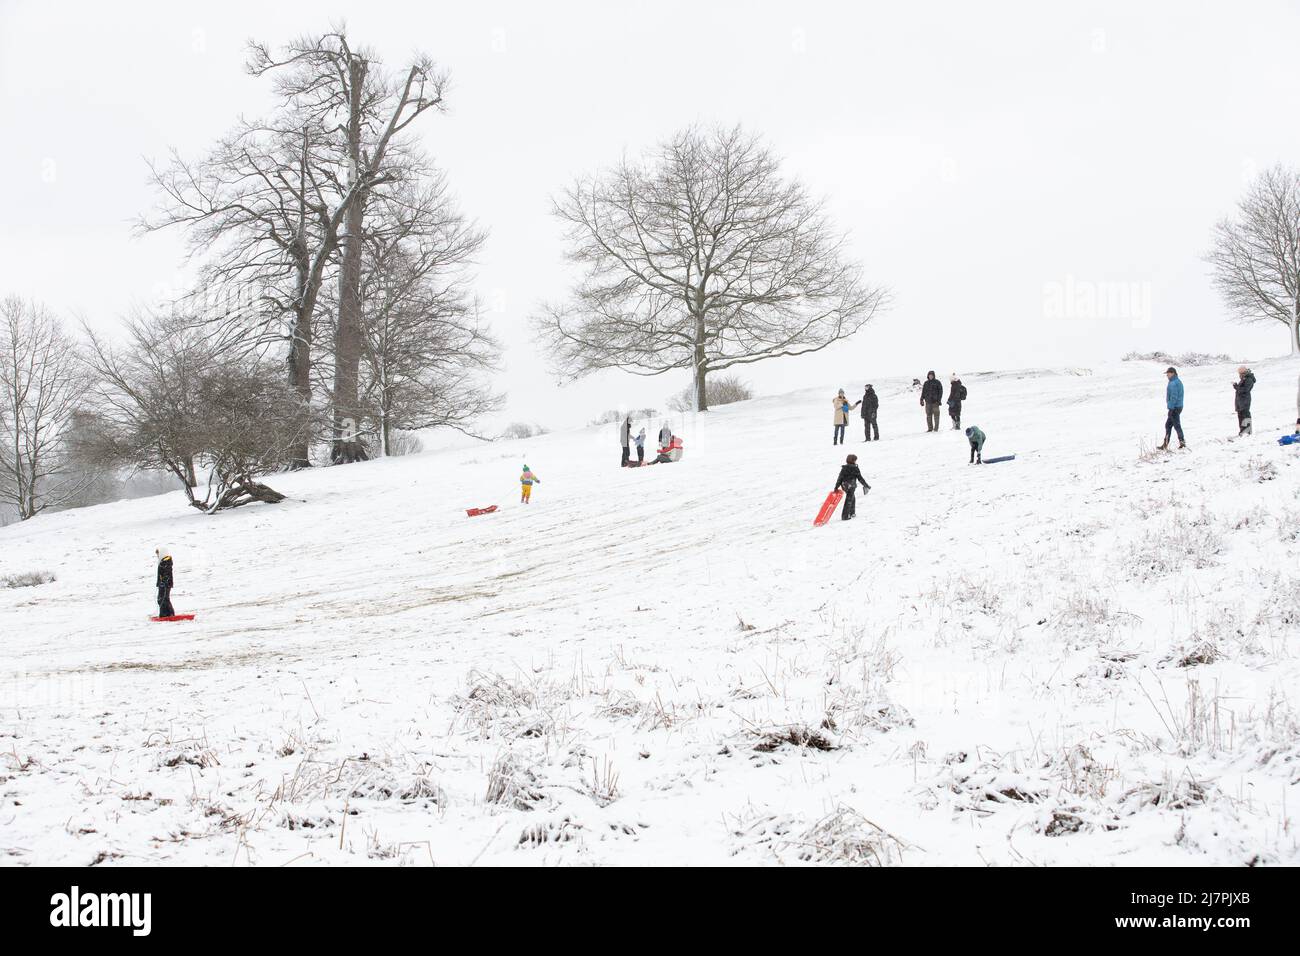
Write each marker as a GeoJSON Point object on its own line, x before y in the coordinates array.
{"type": "Point", "coordinates": [1087, 655]}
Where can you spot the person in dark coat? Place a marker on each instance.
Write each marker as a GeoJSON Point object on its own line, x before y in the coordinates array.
{"type": "Point", "coordinates": [956, 395]}
{"type": "Point", "coordinates": [870, 405]}
{"type": "Point", "coordinates": [625, 439]}
{"type": "Point", "coordinates": [1245, 382]}
{"type": "Point", "coordinates": [931, 397]}
{"type": "Point", "coordinates": [847, 482]}
{"type": "Point", "coordinates": [165, 608]}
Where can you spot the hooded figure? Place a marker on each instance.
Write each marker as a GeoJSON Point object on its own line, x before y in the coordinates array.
{"type": "Point", "coordinates": [956, 395]}
{"type": "Point", "coordinates": [165, 608]}
{"type": "Point", "coordinates": [931, 396]}
{"type": "Point", "coordinates": [1245, 382]}
{"type": "Point", "coordinates": [665, 436]}
{"type": "Point", "coordinates": [870, 405]}
{"type": "Point", "coordinates": [976, 445]}
{"type": "Point", "coordinates": [526, 482]}
{"type": "Point", "coordinates": [640, 447]}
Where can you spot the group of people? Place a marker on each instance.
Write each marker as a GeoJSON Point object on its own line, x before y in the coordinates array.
{"type": "Point", "coordinates": [1175, 395]}
{"type": "Point", "coordinates": [931, 399]}
{"type": "Point", "coordinates": [627, 440]}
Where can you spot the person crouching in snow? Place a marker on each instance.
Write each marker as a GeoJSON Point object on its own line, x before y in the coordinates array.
{"type": "Point", "coordinates": [976, 445]}
{"type": "Point", "coordinates": [847, 482]}
{"type": "Point", "coordinates": [165, 608]}
{"type": "Point", "coordinates": [526, 482]}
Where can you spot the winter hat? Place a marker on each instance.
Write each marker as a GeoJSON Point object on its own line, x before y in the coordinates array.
{"type": "Point", "coordinates": [954, 377]}
{"type": "Point", "coordinates": [840, 392]}
{"type": "Point", "coordinates": [968, 431]}
{"type": "Point", "coordinates": [1171, 371]}
{"type": "Point", "coordinates": [526, 468]}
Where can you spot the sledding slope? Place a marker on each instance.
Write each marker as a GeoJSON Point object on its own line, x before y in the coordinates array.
{"type": "Point", "coordinates": [1086, 655]}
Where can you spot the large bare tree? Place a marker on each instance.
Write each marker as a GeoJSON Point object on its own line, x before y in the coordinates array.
{"type": "Point", "coordinates": [1256, 253]}
{"type": "Point", "coordinates": [702, 257]}
{"type": "Point", "coordinates": [425, 348]}
{"type": "Point", "coordinates": [41, 387]}
{"type": "Point", "coordinates": [264, 208]}
{"type": "Point", "coordinates": [348, 90]}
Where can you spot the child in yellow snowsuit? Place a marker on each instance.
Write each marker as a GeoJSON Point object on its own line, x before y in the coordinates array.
{"type": "Point", "coordinates": [526, 481]}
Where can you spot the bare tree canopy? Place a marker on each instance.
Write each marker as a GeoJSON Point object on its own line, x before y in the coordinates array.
{"type": "Point", "coordinates": [1256, 254]}
{"type": "Point", "coordinates": [172, 400]}
{"type": "Point", "coordinates": [425, 348]}
{"type": "Point", "coordinates": [702, 257]}
{"type": "Point", "coordinates": [41, 386]}
{"type": "Point", "coordinates": [346, 89]}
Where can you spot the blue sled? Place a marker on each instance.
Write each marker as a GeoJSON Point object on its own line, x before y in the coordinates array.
{"type": "Point", "coordinates": [994, 461]}
{"type": "Point", "coordinates": [1289, 440]}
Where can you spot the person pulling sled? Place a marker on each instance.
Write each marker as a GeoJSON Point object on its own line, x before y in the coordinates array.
{"type": "Point", "coordinates": [847, 482]}
{"type": "Point", "coordinates": [526, 482]}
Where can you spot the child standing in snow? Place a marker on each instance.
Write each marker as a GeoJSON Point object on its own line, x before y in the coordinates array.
{"type": "Point", "coordinates": [165, 608]}
{"type": "Point", "coordinates": [976, 445]}
{"type": "Point", "coordinates": [526, 482]}
{"type": "Point", "coordinates": [847, 482]}
{"type": "Point", "coordinates": [640, 447]}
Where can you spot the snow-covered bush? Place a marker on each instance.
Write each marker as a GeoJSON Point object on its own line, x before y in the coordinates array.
{"type": "Point", "coordinates": [27, 579]}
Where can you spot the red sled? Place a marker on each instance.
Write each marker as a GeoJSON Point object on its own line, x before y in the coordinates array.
{"type": "Point", "coordinates": [475, 512]}
{"type": "Point", "coordinates": [174, 617]}
{"type": "Point", "coordinates": [828, 508]}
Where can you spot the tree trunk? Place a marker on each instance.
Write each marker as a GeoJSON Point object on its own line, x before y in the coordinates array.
{"type": "Point", "coordinates": [347, 446]}
{"type": "Point", "coordinates": [300, 355]}
{"type": "Point", "coordinates": [701, 367]}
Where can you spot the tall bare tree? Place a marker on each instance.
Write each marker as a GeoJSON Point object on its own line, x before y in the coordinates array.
{"type": "Point", "coordinates": [41, 386]}
{"type": "Point", "coordinates": [425, 347]}
{"type": "Point", "coordinates": [1256, 253]}
{"type": "Point", "coordinates": [702, 257]}
{"type": "Point", "coordinates": [264, 208]}
{"type": "Point", "coordinates": [350, 91]}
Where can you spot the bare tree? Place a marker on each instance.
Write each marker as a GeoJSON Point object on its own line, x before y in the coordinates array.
{"type": "Point", "coordinates": [703, 257]}
{"type": "Point", "coordinates": [41, 385]}
{"type": "Point", "coordinates": [325, 76]}
{"type": "Point", "coordinates": [1256, 253]}
{"type": "Point", "coordinates": [425, 348]}
{"type": "Point", "coordinates": [171, 400]}
{"type": "Point", "coordinates": [265, 208]}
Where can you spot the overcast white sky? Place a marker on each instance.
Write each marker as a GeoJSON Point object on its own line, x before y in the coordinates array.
{"type": "Point", "coordinates": [995, 164]}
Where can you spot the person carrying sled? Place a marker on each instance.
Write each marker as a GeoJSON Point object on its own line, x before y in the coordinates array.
{"type": "Point", "coordinates": [526, 482]}
{"type": "Point", "coordinates": [870, 406]}
{"type": "Point", "coordinates": [956, 395]}
{"type": "Point", "coordinates": [1245, 382]}
{"type": "Point", "coordinates": [640, 447]}
{"type": "Point", "coordinates": [1174, 405]}
{"type": "Point", "coordinates": [625, 439]}
{"type": "Point", "coordinates": [976, 438]}
{"type": "Point", "coordinates": [842, 409]}
{"type": "Point", "coordinates": [847, 482]}
{"type": "Point", "coordinates": [164, 582]}
{"type": "Point", "coordinates": [931, 396]}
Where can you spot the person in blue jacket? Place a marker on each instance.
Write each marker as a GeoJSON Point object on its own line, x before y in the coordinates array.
{"type": "Point", "coordinates": [1174, 404]}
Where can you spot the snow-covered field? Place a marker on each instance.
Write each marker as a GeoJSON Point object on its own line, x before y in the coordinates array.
{"type": "Point", "coordinates": [1085, 656]}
